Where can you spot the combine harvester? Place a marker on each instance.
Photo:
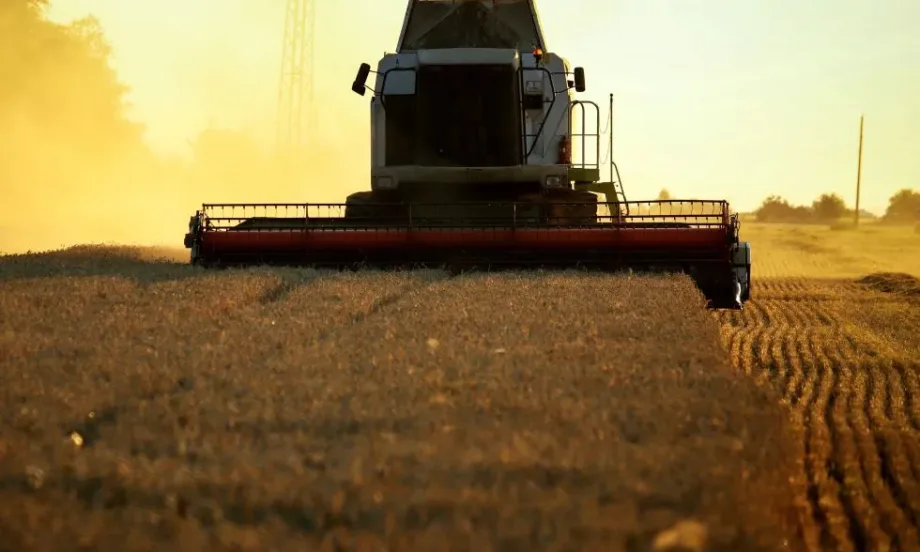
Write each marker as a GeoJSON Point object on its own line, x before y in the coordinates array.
{"type": "Point", "coordinates": [473, 127]}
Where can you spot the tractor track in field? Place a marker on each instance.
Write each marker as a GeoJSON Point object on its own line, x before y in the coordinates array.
{"type": "Point", "coordinates": [855, 403]}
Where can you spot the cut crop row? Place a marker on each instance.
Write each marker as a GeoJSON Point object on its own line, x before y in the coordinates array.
{"type": "Point", "coordinates": [854, 399]}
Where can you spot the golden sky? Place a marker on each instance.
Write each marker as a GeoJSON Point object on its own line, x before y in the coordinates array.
{"type": "Point", "coordinates": [715, 98]}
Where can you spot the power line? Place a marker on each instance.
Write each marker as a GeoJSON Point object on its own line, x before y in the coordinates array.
{"type": "Point", "coordinates": [295, 89]}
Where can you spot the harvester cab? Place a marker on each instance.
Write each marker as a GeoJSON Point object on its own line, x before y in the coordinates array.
{"type": "Point", "coordinates": [483, 157]}
{"type": "Point", "coordinates": [473, 109]}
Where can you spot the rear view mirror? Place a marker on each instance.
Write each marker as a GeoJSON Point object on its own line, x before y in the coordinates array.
{"type": "Point", "coordinates": [360, 84]}
{"type": "Point", "coordinates": [579, 79]}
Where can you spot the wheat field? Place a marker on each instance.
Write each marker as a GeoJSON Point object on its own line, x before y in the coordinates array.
{"type": "Point", "coordinates": [169, 408]}
{"type": "Point", "coordinates": [147, 405]}
{"type": "Point", "coordinates": [835, 328]}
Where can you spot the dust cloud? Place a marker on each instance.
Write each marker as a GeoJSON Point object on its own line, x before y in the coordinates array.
{"type": "Point", "coordinates": [77, 164]}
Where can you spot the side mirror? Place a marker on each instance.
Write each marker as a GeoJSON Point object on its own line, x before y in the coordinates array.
{"type": "Point", "coordinates": [579, 79]}
{"type": "Point", "coordinates": [359, 86]}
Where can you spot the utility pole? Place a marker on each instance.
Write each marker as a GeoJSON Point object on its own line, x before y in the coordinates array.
{"type": "Point", "coordinates": [610, 124]}
{"type": "Point", "coordinates": [858, 171]}
{"type": "Point", "coordinates": [295, 89]}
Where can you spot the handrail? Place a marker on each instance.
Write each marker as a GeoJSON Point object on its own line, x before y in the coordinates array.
{"type": "Point", "coordinates": [584, 134]}
{"type": "Point", "coordinates": [383, 85]}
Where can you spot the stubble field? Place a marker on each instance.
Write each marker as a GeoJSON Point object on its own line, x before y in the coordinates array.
{"type": "Point", "coordinates": [835, 328]}
{"type": "Point", "coordinates": [158, 407]}
{"type": "Point", "coordinates": [147, 405]}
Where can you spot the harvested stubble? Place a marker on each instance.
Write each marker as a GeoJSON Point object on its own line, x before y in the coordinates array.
{"type": "Point", "coordinates": [846, 356]}
{"type": "Point", "coordinates": [152, 406]}
{"type": "Point", "coordinates": [833, 326]}
{"type": "Point", "coordinates": [816, 252]}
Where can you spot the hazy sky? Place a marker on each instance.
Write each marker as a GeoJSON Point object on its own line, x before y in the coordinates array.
{"type": "Point", "coordinates": [715, 98]}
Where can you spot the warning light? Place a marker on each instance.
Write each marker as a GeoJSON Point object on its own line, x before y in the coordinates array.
{"type": "Point", "coordinates": [538, 53]}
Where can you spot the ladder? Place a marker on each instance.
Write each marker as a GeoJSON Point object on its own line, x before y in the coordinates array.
{"type": "Point", "coordinates": [586, 174]}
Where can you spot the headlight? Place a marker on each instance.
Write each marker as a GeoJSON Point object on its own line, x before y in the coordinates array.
{"type": "Point", "coordinates": [554, 181]}
{"type": "Point", "coordinates": [386, 183]}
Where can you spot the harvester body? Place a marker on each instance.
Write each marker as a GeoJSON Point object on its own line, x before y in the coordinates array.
{"type": "Point", "coordinates": [471, 108]}
{"type": "Point", "coordinates": [483, 157]}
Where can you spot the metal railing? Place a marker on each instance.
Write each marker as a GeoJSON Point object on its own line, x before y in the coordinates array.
{"type": "Point", "coordinates": [382, 217]}
{"type": "Point", "coordinates": [583, 135]}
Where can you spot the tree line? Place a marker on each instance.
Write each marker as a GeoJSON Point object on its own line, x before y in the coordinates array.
{"type": "Point", "coordinates": [903, 208]}
{"type": "Point", "coordinates": [59, 91]}
{"type": "Point", "coordinates": [71, 154]}
{"type": "Point", "coordinates": [63, 105]}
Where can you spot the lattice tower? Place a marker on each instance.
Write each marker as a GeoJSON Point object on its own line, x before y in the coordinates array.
{"type": "Point", "coordinates": [295, 89]}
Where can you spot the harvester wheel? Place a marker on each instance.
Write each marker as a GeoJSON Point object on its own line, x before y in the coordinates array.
{"type": "Point", "coordinates": [374, 208]}
{"type": "Point", "coordinates": [566, 207]}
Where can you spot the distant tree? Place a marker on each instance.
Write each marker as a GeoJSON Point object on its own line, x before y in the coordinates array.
{"type": "Point", "coordinates": [777, 209]}
{"type": "Point", "coordinates": [64, 134]}
{"type": "Point", "coordinates": [59, 81]}
{"type": "Point", "coordinates": [829, 207]}
{"type": "Point", "coordinates": [863, 214]}
{"type": "Point", "coordinates": [904, 206]}
{"type": "Point", "coordinates": [664, 194]}
{"type": "Point", "coordinates": [21, 9]}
